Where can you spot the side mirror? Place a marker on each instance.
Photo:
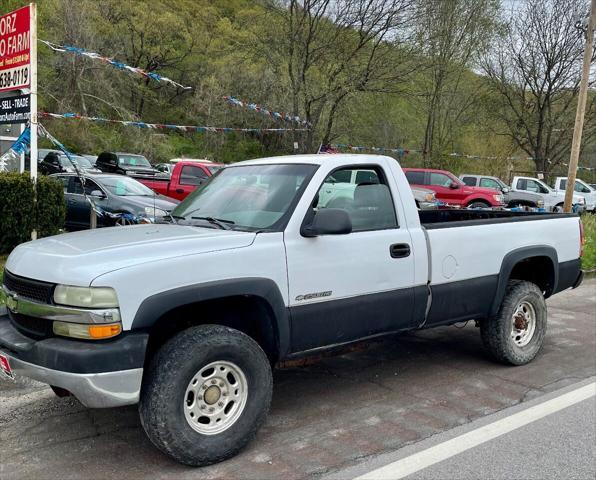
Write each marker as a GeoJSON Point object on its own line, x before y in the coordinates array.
{"type": "Point", "coordinates": [328, 221]}
{"type": "Point", "coordinates": [454, 186]}
{"type": "Point", "coordinates": [505, 189]}
{"type": "Point", "coordinates": [97, 194]}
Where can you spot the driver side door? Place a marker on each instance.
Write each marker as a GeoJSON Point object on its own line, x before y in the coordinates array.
{"type": "Point", "coordinates": [346, 287]}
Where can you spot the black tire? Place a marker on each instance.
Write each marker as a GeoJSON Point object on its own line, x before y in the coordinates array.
{"type": "Point", "coordinates": [478, 204]}
{"type": "Point", "coordinates": [496, 331]}
{"type": "Point", "coordinates": [558, 208]}
{"type": "Point", "coordinates": [170, 371]}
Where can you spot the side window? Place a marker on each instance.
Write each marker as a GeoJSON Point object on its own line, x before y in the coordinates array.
{"type": "Point", "coordinates": [534, 186]}
{"type": "Point", "coordinates": [366, 176]}
{"type": "Point", "coordinates": [341, 176]}
{"type": "Point", "coordinates": [563, 184]}
{"type": "Point", "coordinates": [91, 186]}
{"type": "Point", "coordinates": [191, 175]}
{"type": "Point", "coordinates": [369, 204]}
{"type": "Point", "coordinates": [439, 179]}
{"type": "Point", "coordinates": [74, 186]}
{"type": "Point", "coordinates": [64, 181]}
{"type": "Point", "coordinates": [469, 181]}
{"type": "Point", "coordinates": [522, 184]}
{"type": "Point", "coordinates": [489, 183]}
{"type": "Point", "coordinates": [580, 188]}
{"type": "Point", "coordinates": [415, 178]}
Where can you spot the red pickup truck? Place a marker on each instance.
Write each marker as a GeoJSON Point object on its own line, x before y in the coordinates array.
{"type": "Point", "coordinates": [186, 176]}
{"type": "Point", "coordinates": [451, 190]}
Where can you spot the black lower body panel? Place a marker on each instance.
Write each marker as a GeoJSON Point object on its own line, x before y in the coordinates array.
{"type": "Point", "coordinates": [344, 320]}
{"type": "Point", "coordinates": [463, 300]}
{"type": "Point", "coordinates": [570, 275]}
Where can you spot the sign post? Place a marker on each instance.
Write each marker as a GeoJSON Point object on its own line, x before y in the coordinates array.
{"type": "Point", "coordinates": [33, 88]}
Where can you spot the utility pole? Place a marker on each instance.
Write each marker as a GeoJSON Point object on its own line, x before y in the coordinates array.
{"type": "Point", "coordinates": [581, 109]}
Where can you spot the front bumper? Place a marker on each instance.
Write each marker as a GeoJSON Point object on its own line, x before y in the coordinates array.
{"type": "Point", "coordinates": [98, 374]}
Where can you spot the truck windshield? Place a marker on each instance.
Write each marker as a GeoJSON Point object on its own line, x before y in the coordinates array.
{"type": "Point", "coordinates": [133, 161]}
{"type": "Point", "coordinates": [251, 197]}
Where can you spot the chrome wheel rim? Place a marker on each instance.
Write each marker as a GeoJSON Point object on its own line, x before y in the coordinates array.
{"type": "Point", "coordinates": [215, 397]}
{"type": "Point", "coordinates": [523, 324]}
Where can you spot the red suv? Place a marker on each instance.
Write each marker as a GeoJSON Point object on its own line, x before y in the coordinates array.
{"type": "Point", "coordinates": [451, 190]}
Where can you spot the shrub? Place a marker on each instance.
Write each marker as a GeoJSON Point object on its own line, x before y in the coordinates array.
{"type": "Point", "coordinates": [589, 258]}
{"type": "Point", "coordinates": [51, 209]}
{"type": "Point", "coordinates": [19, 214]}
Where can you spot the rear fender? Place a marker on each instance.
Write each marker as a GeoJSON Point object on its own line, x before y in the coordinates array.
{"type": "Point", "coordinates": [512, 259]}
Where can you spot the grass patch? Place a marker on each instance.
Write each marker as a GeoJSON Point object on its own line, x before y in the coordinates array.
{"type": "Point", "coordinates": [589, 258]}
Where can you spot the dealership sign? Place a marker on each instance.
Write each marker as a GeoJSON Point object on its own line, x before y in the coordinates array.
{"type": "Point", "coordinates": [15, 49]}
{"type": "Point", "coordinates": [15, 109]}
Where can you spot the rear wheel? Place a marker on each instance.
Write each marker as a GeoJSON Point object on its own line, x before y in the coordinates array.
{"type": "Point", "coordinates": [558, 208]}
{"type": "Point", "coordinates": [206, 393]}
{"type": "Point", "coordinates": [515, 335]}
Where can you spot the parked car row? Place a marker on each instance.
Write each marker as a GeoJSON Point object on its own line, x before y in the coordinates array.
{"type": "Point", "coordinates": [127, 185]}
{"type": "Point", "coordinates": [484, 191]}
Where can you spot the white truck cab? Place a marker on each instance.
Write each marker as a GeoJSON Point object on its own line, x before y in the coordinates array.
{"type": "Point", "coordinates": [553, 200]}
{"type": "Point", "coordinates": [582, 189]}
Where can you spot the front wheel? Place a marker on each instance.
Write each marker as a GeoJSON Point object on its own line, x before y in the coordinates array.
{"type": "Point", "coordinates": [206, 393]}
{"type": "Point", "coordinates": [558, 208]}
{"type": "Point", "coordinates": [478, 204]}
{"type": "Point", "coordinates": [516, 333]}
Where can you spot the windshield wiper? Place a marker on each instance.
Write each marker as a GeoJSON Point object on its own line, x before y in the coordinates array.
{"type": "Point", "coordinates": [220, 222]}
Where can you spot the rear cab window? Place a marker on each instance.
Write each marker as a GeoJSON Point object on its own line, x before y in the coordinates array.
{"type": "Point", "coordinates": [415, 178]}
{"type": "Point", "coordinates": [469, 181]}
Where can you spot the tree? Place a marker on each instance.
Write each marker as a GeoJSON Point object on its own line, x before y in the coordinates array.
{"type": "Point", "coordinates": [329, 51]}
{"type": "Point", "coordinates": [534, 71]}
{"type": "Point", "coordinates": [450, 35]}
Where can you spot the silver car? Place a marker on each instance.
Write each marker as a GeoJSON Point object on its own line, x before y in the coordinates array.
{"type": "Point", "coordinates": [511, 198]}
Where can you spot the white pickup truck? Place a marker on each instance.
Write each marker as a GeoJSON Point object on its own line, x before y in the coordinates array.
{"type": "Point", "coordinates": [553, 199]}
{"type": "Point", "coordinates": [188, 318]}
{"type": "Point", "coordinates": [581, 189]}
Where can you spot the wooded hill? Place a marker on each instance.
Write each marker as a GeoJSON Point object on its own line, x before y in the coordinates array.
{"type": "Point", "coordinates": [436, 78]}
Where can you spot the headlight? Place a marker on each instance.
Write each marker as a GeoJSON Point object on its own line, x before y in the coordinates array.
{"type": "Point", "coordinates": [429, 197]}
{"type": "Point", "coordinates": [155, 212]}
{"type": "Point", "coordinates": [88, 331]}
{"type": "Point", "coordinates": [87, 297]}
{"type": "Point", "coordinates": [498, 198]}
{"type": "Point", "coordinates": [540, 203]}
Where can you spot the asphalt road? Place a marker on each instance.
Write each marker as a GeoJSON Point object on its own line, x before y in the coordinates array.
{"type": "Point", "coordinates": [339, 412]}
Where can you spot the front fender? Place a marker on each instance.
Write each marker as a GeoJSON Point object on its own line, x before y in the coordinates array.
{"type": "Point", "coordinates": [155, 306]}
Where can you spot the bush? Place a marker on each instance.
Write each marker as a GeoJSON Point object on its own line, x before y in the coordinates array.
{"type": "Point", "coordinates": [19, 214]}
{"type": "Point", "coordinates": [589, 258]}
{"type": "Point", "coordinates": [51, 209]}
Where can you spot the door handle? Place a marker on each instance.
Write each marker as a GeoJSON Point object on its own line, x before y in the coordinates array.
{"type": "Point", "coordinates": [399, 250]}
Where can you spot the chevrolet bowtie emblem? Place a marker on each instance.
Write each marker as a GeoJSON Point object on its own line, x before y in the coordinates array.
{"type": "Point", "coordinates": [12, 302]}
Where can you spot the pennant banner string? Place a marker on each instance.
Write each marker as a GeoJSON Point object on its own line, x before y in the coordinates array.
{"type": "Point", "coordinates": [115, 63]}
{"type": "Point", "coordinates": [13, 154]}
{"type": "Point", "coordinates": [286, 117]}
{"type": "Point", "coordinates": [404, 151]}
{"type": "Point", "coordinates": [165, 126]}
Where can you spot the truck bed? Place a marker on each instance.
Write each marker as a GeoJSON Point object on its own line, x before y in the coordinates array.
{"type": "Point", "coordinates": [433, 219]}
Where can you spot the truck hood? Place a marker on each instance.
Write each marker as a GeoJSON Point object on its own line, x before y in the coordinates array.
{"type": "Point", "coordinates": [77, 258]}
